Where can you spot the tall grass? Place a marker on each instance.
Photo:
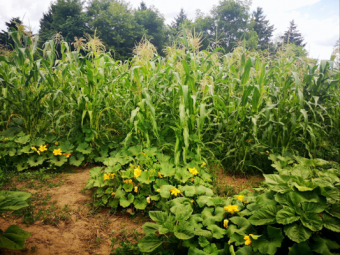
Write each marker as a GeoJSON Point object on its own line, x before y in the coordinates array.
{"type": "Point", "coordinates": [235, 108]}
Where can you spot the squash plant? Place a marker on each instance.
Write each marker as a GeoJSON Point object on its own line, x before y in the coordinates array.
{"type": "Point", "coordinates": [295, 212]}
{"type": "Point", "coordinates": [13, 237]}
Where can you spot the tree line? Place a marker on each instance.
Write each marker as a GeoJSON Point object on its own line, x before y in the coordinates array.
{"type": "Point", "coordinates": [119, 26]}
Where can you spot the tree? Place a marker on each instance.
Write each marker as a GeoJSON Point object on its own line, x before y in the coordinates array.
{"type": "Point", "coordinates": [5, 39]}
{"type": "Point", "coordinates": [142, 6]}
{"type": "Point", "coordinates": [230, 22]}
{"type": "Point", "coordinates": [263, 29]}
{"type": "Point", "coordinates": [116, 26]}
{"type": "Point", "coordinates": [293, 36]}
{"type": "Point", "coordinates": [152, 24]}
{"type": "Point", "coordinates": [336, 54]}
{"type": "Point", "coordinates": [65, 17]}
{"type": "Point", "coordinates": [179, 20]}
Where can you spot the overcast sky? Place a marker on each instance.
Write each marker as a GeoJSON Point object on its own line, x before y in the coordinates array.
{"type": "Point", "coordinates": [317, 20]}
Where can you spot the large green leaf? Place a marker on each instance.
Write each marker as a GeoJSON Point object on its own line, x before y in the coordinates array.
{"type": "Point", "coordinates": [297, 233]}
{"type": "Point", "coordinates": [268, 244]}
{"type": "Point", "coordinates": [331, 223]}
{"type": "Point", "coordinates": [323, 246]}
{"type": "Point", "coordinates": [184, 230]}
{"type": "Point", "coordinates": [77, 159]}
{"type": "Point", "coordinates": [266, 215]}
{"type": "Point", "coordinates": [140, 203]}
{"type": "Point", "coordinates": [299, 249]}
{"type": "Point", "coordinates": [312, 221]}
{"type": "Point", "coordinates": [286, 216]}
{"type": "Point", "coordinates": [211, 215]}
{"type": "Point", "coordinates": [13, 238]}
{"type": "Point", "coordinates": [126, 201]}
{"type": "Point", "coordinates": [218, 233]}
{"type": "Point", "coordinates": [150, 227]}
{"type": "Point", "coordinates": [149, 243]}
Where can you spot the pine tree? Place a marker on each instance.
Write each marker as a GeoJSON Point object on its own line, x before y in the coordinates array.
{"type": "Point", "coordinates": [293, 36]}
{"type": "Point", "coordinates": [5, 39]}
{"type": "Point", "coordinates": [179, 20]}
{"type": "Point", "coordinates": [263, 29]}
{"type": "Point", "coordinates": [142, 6]}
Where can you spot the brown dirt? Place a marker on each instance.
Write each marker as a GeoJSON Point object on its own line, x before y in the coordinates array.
{"type": "Point", "coordinates": [236, 183]}
{"type": "Point", "coordinates": [83, 231]}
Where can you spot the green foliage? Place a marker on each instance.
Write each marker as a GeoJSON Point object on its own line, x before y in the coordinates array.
{"type": "Point", "coordinates": [290, 213]}
{"type": "Point", "coordinates": [13, 237]}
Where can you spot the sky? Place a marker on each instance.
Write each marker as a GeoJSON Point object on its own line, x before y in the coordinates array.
{"type": "Point", "coordinates": [317, 20]}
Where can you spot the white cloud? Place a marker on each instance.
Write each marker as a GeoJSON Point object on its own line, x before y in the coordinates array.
{"type": "Point", "coordinates": [30, 10]}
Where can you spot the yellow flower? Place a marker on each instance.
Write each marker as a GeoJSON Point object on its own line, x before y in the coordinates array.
{"type": "Point", "coordinates": [158, 190]}
{"type": "Point", "coordinates": [240, 197]}
{"type": "Point", "coordinates": [225, 223]}
{"type": "Point", "coordinates": [192, 201]}
{"type": "Point", "coordinates": [67, 154]}
{"type": "Point", "coordinates": [229, 242]}
{"type": "Point", "coordinates": [113, 194]}
{"type": "Point", "coordinates": [57, 152]}
{"type": "Point", "coordinates": [175, 192]}
{"type": "Point", "coordinates": [137, 172]}
{"type": "Point", "coordinates": [136, 189]}
{"type": "Point", "coordinates": [248, 240]}
{"type": "Point", "coordinates": [267, 152]}
{"type": "Point", "coordinates": [160, 175]}
{"type": "Point", "coordinates": [38, 152]}
{"type": "Point", "coordinates": [42, 148]}
{"type": "Point", "coordinates": [192, 179]}
{"type": "Point", "coordinates": [33, 148]}
{"type": "Point", "coordinates": [193, 171]}
{"type": "Point", "coordinates": [106, 177]}
{"type": "Point", "coordinates": [203, 164]}
{"type": "Point", "coordinates": [148, 200]}
{"type": "Point", "coordinates": [113, 175]}
{"type": "Point", "coordinates": [144, 153]}
{"type": "Point", "coordinates": [231, 208]}
{"type": "Point", "coordinates": [56, 143]}
{"type": "Point", "coordinates": [128, 181]}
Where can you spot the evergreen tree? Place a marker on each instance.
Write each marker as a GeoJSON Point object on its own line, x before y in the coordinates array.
{"type": "Point", "coordinates": [152, 24]}
{"type": "Point", "coordinates": [5, 39]}
{"type": "Point", "coordinates": [263, 29]}
{"type": "Point", "coordinates": [65, 17]}
{"type": "Point", "coordinates": [293, 36]}
{"type": "Point", "coordinates": [142, 6]}
{"type": "Point", "coordinates": [179, 20]}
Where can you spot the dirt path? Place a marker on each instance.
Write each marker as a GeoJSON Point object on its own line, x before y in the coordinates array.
{"type": "Point", "coordinates": [78, 229]}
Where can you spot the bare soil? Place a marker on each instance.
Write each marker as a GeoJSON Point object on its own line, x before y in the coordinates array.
{"type": "Point", "coordinates": [76, 228]}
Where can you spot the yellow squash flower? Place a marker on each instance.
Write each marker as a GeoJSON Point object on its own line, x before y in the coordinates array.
{"type": "Point", "coordinates": [160, 175]}
{"type": "Point", "coordinates": [193, 171]}
{"type": "Point", "coordinates": [136, 189]}
{"type": "Point", "coordinates": [192, 201]}
{"type": "Point", "coordinates": [137, 172]}
{"type": "Point", "coordinates": [240, 197]}
{"type": "Point", "coordinates": [175, 192]}
{"type": "Point", "coordinates": [231, 208]}
{"type": "Point", "coordinates": [128, 181]}
{"type": "Point", "coordinates": [67, 155]}
{"type": "Point", "coordinates": [42, 148]}
{"type": "Point", "coordinates": [203, 164]}
{"type": "Point", "coordinates": [192, 179]}
{"type": "Point", "coordinates": [248, 240]}
{"type": "Point", "coordinates": [267, 152]}
{"type": "Point", "coordinates": [113, 194]}
{"type": "Point", "coordinates": [158, 190]}
{"type": "Point", "coordinates": [57, 152]}
{"type": "Point", "coordinates": [148, 200]}
{"type": "Point", "coordinates": [56, 143]}
{"type": "Point", "coordinates": [33, 148]}
{"type": "Point", "coordinates": [106, 177]}
{"type": "Point", "coordinates": [229, 242]}
{"type": "Point", "coordinates": [225, 223]}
